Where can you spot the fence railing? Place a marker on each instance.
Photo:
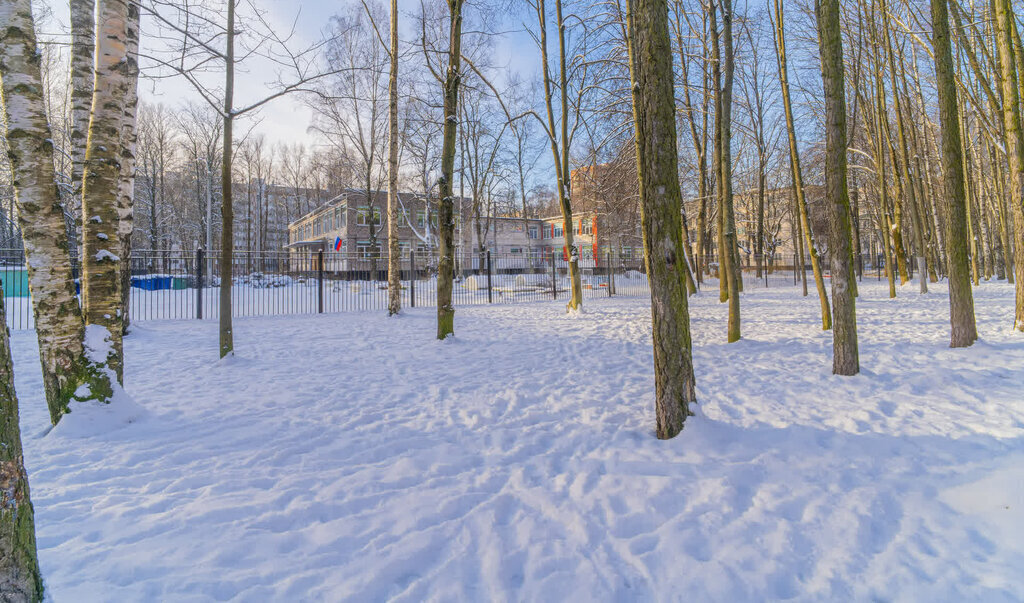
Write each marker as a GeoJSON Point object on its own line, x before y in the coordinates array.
{"type": "Point", "coordinates": [183, 285]}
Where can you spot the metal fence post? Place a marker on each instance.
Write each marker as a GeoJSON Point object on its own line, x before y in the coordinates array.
{"type": "Point", "coordinates": [412, 278]}
{"type": "Point", "coordinates": [200, 259]}
{"type": "Point", "coordinates": [320, 281]}
{"type": "Point", "coordinates": [608, 265]}
{"type": "Point", "coordinates": [489, 298]}
{"type": "Point", "coordinates": [554, 285]}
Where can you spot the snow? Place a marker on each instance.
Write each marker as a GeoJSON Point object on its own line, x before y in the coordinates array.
{"type": "Point", "coordinates": [98, 346]}
{"type": "Point", "coordinates": [104, 254]}
{"type": "Point", "coordinates": [353, 457]}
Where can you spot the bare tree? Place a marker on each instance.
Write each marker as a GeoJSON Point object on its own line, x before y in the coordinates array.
{"type": "Point", "coordinates": [200, 38]}
{"type": "Point", "coordinates": [729, 255]}
{"type": "Point", "coordinates": [654, 109]}
{"type": "Point", "coordinates": [560, 136]}
{"type": "Point", "coordinates": [351, 108]}
{"type": "Point", "coordinates": [446, 67]}
{"type": "Point", "coordinates": [845, 360]}
{"type": "Point", "coordinates": [394, 268]}
{"type": "Point", "coordinates": [963, 331]}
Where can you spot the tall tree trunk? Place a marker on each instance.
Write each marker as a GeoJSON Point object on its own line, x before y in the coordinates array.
{"type": "Point", "coordinates": [227, 214]}
{"type": "Point", "coordinates": [1005, 22]}
{"type": "Point", "coordinates": [101, 230]}
{"type": "Point", "coordinates": [650, 61]}
{"type": "Point", "coordinates": [724, 147]}
{"type": "Point", "coordinates": [446, 219]}
{"type": "Point", "coordinates": [83, 48]}
{"type": "Point", "coordinates": [886, 226]}
{"type": "Point", "coordinates": [126, 185]}
{"type": "Point", "coordinates": [797, 231]}
{"type": "Point", "coordinates": [909, 190]}
{"type": "Point", "coordinates": [560, 148]}
{"type": "Point", "coordinates": [58, 317]}
{"type": "Point", "coordinates": [19, 564]}
{"type": "Point", "coordinates": [796, 172]}
{"type": "Point", "coordinates": [963, 331]}
{"type": "Point", "coordinates": [394, 253]}
{"type": "Point", "coordinates": [845, 359]}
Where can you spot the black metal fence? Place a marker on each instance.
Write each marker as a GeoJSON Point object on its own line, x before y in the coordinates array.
{"type": "Point", "coordinates": [785, 270]}
{"type": "Point", "coordinates": [181, 285]}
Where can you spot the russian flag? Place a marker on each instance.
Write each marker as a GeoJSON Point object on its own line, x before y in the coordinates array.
{"type": "Point", "coordinates": [337, 244]}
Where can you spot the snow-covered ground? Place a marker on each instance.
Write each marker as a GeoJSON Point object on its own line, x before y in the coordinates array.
{"type": "Point", "coordinates": [354, 457]}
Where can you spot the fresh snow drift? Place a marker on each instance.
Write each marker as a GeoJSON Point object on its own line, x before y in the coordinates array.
{"type": "Point", "coordinates": [352, 457]}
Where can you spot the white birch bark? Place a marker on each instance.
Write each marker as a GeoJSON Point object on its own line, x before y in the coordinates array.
{"type": "Point", "coordinates": [83, 46]}
{"type": "Point", "coordinates": [58, 318]}
{"type": "Point", "coordinates": [101, 242]}
{"type": "Point", "coordinates": [126, 185]}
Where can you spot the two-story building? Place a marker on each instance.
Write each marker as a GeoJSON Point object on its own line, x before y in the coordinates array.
{"type": "Point", "coordinates": [355, 225]}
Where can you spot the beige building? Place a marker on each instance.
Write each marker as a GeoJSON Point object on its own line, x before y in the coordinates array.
{"type": "Point", "coordinates": [356, 228]}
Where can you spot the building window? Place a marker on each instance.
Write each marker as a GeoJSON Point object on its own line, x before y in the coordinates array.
{"type": "Point", "coordinates": [365, 250]}
{"type": "Point", "coordinates": [533, 232]}
{"type": "Point", "coordinates": [557, 232]}
{"type": "Point", "coordinates": [363, 213]}
{"type": "Point", "coordinates": [421, 218]}
{"type": "Point", "coordinates": [339, 217]}
{"type": "Point", "coordinates": [516, 250]}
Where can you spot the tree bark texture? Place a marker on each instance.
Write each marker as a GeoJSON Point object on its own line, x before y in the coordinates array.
{"type": "Point", "coordinates": [963, 331]}
{"type": "Point", "coordinates": [446, 220]}
{"type": "Point", "coordinates": [83, 48]}
{"type": "Point", "coordinates": [227, 214]}
{"type": "Point", "coordinates": [126, 184]}
{"type": "Point", "coordinates": [19, 564]}
{"type": "Point", "coordinates": [1005, 22]}
{"type": "Point", "coordinates": [845, 359]}
{"type": "Point", "coordinates": [650, 60]}
{"type": "Point", "coordinates": [58, 317]}
{"type": "Point", "coordinates": [101, 231]}
{"type": "Point", "coordinates": [394, 254]}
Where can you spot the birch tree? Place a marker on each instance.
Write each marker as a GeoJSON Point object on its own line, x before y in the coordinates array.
{"type": "Point", "coordinates": [83, 49]}
{"type": "Point", "coordinates": [394, 256]}
{"type": "Point", "coordinates": [650, 60]}
{"type": "Point", "coordinates": [101, 189]}
{"type": "Point", "coordinates": [200, 38]}
{"type": "Point", "coordinates": [58, 317]}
